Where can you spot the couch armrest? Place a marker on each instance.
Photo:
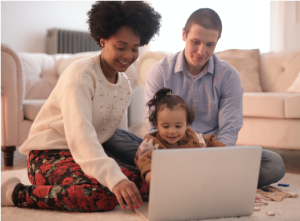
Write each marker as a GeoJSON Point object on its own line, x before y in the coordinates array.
{"type": "Point", "coordinates": [12, 95]}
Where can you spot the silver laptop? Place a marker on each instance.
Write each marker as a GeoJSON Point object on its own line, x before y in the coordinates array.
{"type": "Point", "coordinates": [201, 183]}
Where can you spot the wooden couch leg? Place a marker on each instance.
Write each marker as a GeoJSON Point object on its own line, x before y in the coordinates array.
{"type": "Point", "coordinates": [8, 155]}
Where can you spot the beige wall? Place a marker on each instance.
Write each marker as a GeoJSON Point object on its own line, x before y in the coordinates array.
{"type": "Point", "coordinates": [24, 24]}
{"type": "Point", "coordinates": [285, 25]}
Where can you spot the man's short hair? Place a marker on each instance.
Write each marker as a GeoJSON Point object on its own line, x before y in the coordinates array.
{"type": "Point", "coordinates": [206, 18]}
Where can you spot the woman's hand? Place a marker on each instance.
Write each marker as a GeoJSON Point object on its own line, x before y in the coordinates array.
{"type": "Point", "coordinates": [128, 191]}
{"type": "Point", "coordinates": [148, 177]}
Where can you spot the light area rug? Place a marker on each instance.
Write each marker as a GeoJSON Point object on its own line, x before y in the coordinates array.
{"type": "Point", "coordinates": [286, 210]}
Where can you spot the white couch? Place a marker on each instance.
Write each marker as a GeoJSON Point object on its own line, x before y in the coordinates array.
{"type": "Point", "coordinates": [271, 117]}
{"type": "Point", "coordinates": [271, 114]}
{"type": "Point", "coordinates": [27, 80]}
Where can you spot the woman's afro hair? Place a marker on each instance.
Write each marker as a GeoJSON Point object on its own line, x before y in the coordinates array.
{"type": "Point", "coordinates": [106, 17]}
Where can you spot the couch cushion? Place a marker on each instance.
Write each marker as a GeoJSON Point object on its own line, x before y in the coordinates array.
{"type": "Point", "coordinates": [40, 74]}
{"type": "Point", "coordinates": [246, 62]}
{"type": "Point", "coordinates": [278, 70]}
{"type": "Point", "coordinates": [270, 132]}
{"type": "Point", "coordinates": [271, 105]}
{"type": "Point", "coordinates": [292, 106]}
{"type": "Point", "coordinates": [42, 71]}
{"type": "Point", "coordinates": [295, 87]}
{"type": "Point", "coordinates": [32, 108]}
{"type": "Point", "coordinates": [144, 64]}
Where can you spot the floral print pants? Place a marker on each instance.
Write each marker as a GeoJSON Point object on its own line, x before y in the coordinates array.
{"type": "Point", "coordinates": [58, 183]}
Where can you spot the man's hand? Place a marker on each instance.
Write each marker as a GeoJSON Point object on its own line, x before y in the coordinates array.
{"type": "Point", "coordinates": [148, 177]}
{"type": "Point", "coordinates": [128, 191]}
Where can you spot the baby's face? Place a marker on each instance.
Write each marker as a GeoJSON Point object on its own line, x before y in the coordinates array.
{"type": "Point", "coordinates": [171, 124]}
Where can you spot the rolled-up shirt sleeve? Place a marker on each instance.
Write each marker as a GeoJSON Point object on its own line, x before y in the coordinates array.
{"type": "Point", "coordinates": [230, 109]}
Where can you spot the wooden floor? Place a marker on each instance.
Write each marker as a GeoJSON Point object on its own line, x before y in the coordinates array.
{"type": "Point", "coordinates": [291, 159]}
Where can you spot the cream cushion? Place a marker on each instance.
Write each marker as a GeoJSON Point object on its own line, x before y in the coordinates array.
{"type": "Point", "coordinates": [40, 75]}
{"type": "Point", "coordinates": [144, 64]}
{"type": "Point", "coordinates": [295, 87]}
{"type": "Point", "coordinates": [278, 70]}
{"type": "Point", "coordinates": [32, 107]}
{"type": "Point", "coordinates": [270, 132]}
{"type": "Point", "coordinates": [246, 62]}
{"type": "Point", "coordinates": [271, 105]}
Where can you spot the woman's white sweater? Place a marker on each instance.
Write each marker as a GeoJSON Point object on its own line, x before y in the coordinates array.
{"type": "Point", "coordinates": [82, 112]}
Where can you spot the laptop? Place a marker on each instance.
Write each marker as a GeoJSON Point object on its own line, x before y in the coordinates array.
{"type": "Point", "coordinates": [202, 183]}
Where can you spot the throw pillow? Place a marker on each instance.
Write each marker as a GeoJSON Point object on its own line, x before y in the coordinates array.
{"type": "Point", "coordinates": [246, 62]}
{"type": "Point", "coordinates": [295, 87]}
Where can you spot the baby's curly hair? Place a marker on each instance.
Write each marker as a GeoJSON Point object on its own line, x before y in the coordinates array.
{"type": "Point", "coordinates": [106, 17]}
{"type": "Point", "coordinates": [163, 98]}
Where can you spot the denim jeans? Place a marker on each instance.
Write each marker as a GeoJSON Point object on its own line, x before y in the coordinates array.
{"type": "Point", "coordinates": [272, 168]}
{"type": "Point", "coordinates": [123, 145]}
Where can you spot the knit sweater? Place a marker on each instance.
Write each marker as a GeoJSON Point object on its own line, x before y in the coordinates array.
{"type": "Point", "coordinates": [82, 112]}
{"type": "Point", "coordinates": [153, 141]}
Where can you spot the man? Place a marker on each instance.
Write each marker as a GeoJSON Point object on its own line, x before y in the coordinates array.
{"type": "Point", "coordinates": [210, 86]}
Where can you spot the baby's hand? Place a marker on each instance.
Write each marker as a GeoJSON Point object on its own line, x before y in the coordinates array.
{"type": "Point", "coordinates": [148, 177]}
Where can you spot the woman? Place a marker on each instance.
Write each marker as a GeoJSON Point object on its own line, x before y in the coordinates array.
{"type": "Point", "coordinates": [67, 165]}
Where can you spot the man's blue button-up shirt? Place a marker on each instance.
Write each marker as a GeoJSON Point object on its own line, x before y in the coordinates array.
{"type": "Point", "coordinates": [215, 94]}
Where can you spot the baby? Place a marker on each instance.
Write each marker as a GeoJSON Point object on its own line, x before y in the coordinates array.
{"type": "Point", "coordinates": [171, 117]}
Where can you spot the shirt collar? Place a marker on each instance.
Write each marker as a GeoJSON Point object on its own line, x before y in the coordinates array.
{"type": "Point", "coordinates": [210, 64]}
{"type": "Point", "coordinates": [181, 66]}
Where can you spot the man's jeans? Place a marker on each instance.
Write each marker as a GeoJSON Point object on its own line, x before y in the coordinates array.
{"type": "Point", "coordinates": [272, 168]}
{"type": "Point", "coordinates": [123, 145]}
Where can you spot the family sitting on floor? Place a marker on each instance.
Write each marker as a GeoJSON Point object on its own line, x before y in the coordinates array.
{"type": "Point", "coordinates": [78, 160]}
